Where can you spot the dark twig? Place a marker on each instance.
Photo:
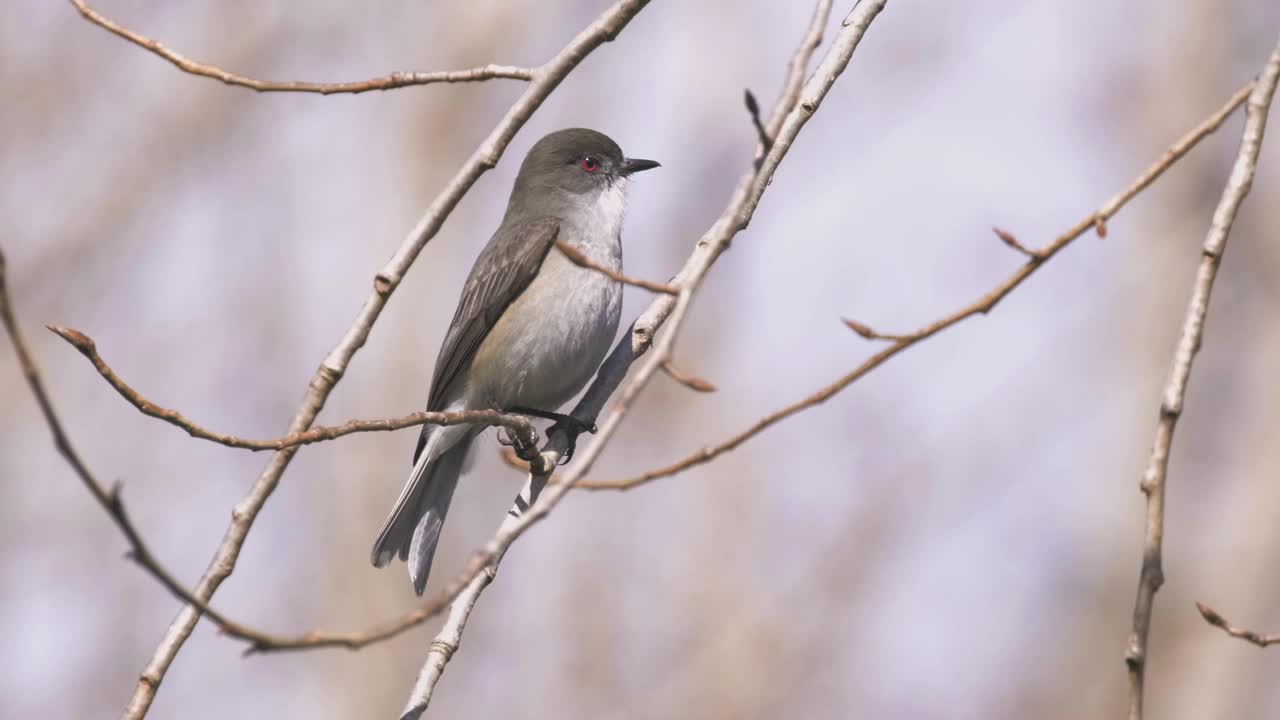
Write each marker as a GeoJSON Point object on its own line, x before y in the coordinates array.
{"type": "Point", "coordinates": [577, 258]}
{"type": "Point", "coordinates": [982, 306]}
{"type": "Point", "coordinates": [1212, 617]}
{"type": "Point", "coordinates": [762, 135]}
{"type": "Point", "coordinates": [387, 82]}
{"type": "Point", "coordinates": [690, 381]}
{"type": "Point", "coordinates": [88, 348]}
{"type": "Point", "coordinates": [1154, 478]}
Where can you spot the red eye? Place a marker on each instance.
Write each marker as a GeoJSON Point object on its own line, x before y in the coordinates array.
{"type": "Point", "coordinates": [589, 164]}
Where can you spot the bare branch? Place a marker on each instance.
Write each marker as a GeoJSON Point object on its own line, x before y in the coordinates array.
{"type": "Point", "coordinates": [736, 216]}
{"type": "Point", "coordinates": [1212, 617]}
{"type": "Point", "coordinates": [696, 384]}
{"type": "Point", "coordinates": [981, 306]}
{"type": "Point", "coordinates": [545, 79]}
{"type": "Point", "coordinates": [577, 258]}
{"type": "Point", "coordinates": [386, 82]}
{"type": "Point", "coordinates": [1151, 573]}
{"type": "Point", "coordinates": [88, 348]}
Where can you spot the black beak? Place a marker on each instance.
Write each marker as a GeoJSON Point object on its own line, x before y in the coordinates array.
{"type": "Point", "coordinates": [634, 165]}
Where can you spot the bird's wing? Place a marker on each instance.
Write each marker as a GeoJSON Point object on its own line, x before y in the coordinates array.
{"type": "Point", "coordinates": [504, 269]}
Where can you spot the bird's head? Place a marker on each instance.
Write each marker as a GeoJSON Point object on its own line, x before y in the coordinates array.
{"type": "Point", "coordinates": [578, 161]}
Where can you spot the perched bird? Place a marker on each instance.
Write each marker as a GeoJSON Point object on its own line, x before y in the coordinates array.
{"type": "Point", "coordinates": [531, 326]}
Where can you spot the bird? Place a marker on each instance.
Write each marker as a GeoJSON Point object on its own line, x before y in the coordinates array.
{"type": "Point", "coordinates": [531, 327]}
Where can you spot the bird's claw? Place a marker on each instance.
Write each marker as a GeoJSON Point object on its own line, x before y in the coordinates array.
{"type": "Point", "coordinates": [571, 427]}
{"type": "Point", "coordinates": [525, 451]}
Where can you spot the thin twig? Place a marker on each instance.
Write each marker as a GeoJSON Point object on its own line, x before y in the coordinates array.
{"type": "Point", "coordinates": [867, 333]}
{"type": "Point", "coordinates": [983, 305]}
{"type": "Point", "coordinates": [692, 382]}
{"type": "Point", "coordinates": [1212, 617]}
{"type": "Point", "coordinates": [736, 217]}
{"type": "Point", "coordinates": [545, 79]}
{"type": "Point", "coordinates": [762, 135]}
{"type": "Point", "coordinates": [386, 82]}
{"type": "Point", "coordinates": [577, 258]}
{"type": "Point", "coordinates": [1008, 238]}
{"type": "Point", "coordinates": [1151, 573]}
{"type": "Point", "coordinates": [88, 348]}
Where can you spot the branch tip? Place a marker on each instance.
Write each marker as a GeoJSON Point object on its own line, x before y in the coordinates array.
{"type": "Point", "coordinates": [1008, 239]}
{"type": "Point", "coordinates": [867, 333]}
{"type": "Point", "coordinates": [762, 135]}
{"type": "Point", "coordinates": [692, 382]}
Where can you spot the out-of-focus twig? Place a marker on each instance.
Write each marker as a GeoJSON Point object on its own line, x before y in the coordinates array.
{"type": "Point", "coordinates": [692, 382]}
{"type": "Point", "coordinates": [982, 305]}
{"type": "Point", "coordinates": [386, 82]}
{"type": "Point", "coordinates": [1151, 572]}
{"type": "Point", "coordinates": [1212, 617]}
{"type": "Point", "coordinates": [545, 79]}
{"type": "Point", "coordinates": [88, 348]}
{"type": "Point", "coordinates": [664, 309]}
{"type": "Point", "coordinates": [577, 258]}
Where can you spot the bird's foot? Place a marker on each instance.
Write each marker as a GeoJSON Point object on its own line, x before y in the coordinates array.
{"type": "Point", "coordinates": [571, 426]}
{"type": "Point", "coordinates": [525, 451]}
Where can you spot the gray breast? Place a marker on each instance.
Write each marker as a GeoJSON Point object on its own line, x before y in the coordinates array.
{"type": "Point", "coordinates": [549, 343]}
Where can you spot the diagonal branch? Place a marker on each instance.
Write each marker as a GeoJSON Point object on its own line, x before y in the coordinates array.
{"type": "Point", "coordinates": [795, 112]}
{"type": "Point", "coordinates": [545, 79]}
{"type": "Point", "coordinates": [386, 82]}
{"type": "Point", "coordinates": [982, 305]}
{"type": "Point", "coordinates": [1151, 574]}
{"type": "Point", "coordinates": [1212, 617]}
{"type": "Point", "coordinates": [87, 347]}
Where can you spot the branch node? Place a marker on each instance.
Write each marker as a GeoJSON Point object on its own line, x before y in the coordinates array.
{"type": "Point", "coordinates": [383, 284]}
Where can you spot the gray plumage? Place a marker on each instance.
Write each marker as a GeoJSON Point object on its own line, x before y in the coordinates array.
{"type": "Point", "coordinates": [531, 327]}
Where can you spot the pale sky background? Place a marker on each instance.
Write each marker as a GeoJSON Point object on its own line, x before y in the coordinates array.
{"type": "Point", "coordinates": [956, 536]}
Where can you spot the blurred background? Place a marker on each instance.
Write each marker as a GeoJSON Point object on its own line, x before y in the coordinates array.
{"type": "Point", "coordinates": [955, 536]}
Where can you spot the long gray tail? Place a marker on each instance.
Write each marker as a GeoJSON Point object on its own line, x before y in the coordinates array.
{"type": "Point", "coordinates": [413, 527]}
